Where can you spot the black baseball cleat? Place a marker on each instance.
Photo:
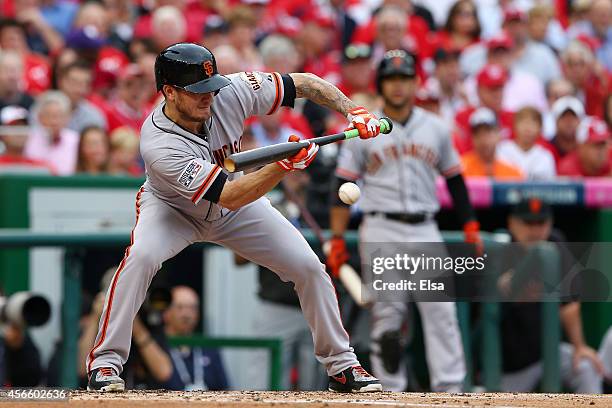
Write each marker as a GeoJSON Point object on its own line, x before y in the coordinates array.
{"type": "Point", "coordinates": [354, 379]}
{"type": "Point", "coordinates": [105, 379]}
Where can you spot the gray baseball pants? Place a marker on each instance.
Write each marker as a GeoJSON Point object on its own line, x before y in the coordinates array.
{"type": "Point", "coordinates": [257, 232]}
{"type": "Point", "coordinates": [443, 346]}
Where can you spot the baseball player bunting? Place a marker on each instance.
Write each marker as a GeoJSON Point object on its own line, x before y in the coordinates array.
{"type": "Point", "coordinates": [188, 197]}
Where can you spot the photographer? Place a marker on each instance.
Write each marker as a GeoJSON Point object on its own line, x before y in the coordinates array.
{"type": "Point", "coordinates": [19, 358]}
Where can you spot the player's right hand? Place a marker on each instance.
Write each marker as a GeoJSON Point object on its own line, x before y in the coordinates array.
{"type": "Point", "coordinates": [337, 256]}
{"type": "Point", "coordinates": [301, 159]}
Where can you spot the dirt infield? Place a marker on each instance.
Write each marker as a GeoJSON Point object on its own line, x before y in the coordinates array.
{"type": "Point", "coordinates": [238, 399]}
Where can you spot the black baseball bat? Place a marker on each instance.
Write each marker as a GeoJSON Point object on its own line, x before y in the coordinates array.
{"type": "Point", "coordinates": [270, 154]}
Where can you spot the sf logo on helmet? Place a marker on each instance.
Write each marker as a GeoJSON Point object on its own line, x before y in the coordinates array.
{"type": "Point", "coordinates": [208, 68]}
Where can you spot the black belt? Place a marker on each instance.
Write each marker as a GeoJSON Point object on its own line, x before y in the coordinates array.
{"type": "Point", "coordinates": [408, 218]}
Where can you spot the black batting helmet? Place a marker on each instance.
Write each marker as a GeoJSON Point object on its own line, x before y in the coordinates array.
{"type": "Point", "coordinates": [395, 62]}
{"type": "Point", "coordinates": [190, 67]}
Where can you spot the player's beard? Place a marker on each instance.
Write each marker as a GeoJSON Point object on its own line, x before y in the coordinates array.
{"type": "Point", "coordinates": [190, 114]}
{"type": "Point", "coordinates": [397, 104]}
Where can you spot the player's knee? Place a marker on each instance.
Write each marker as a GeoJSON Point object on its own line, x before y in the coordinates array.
{"type": "Point", "coordinates": [147, 259]}
{"type": "Point", "coordinates": [391, 348]}
{"type": "Point", "coordinates": [308, 267]}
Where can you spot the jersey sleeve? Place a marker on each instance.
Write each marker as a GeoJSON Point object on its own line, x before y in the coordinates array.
{"type": "Point", "coordinates": [351, 160]}
{"type": "Point", "coordinates": [263, 93]}
{"type": "Point", "coordinates": [192, 178]}
{"type": "Point", "coordinates": [449, 163]}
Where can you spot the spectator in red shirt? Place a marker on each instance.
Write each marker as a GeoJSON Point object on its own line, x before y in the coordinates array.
{"type": "Point", "coordinates": [462, 27]}
{"type": "Point", "coordinates": [36, 72]}
{"type": "Point", "coordinates": [314, 44]}
{"type": "Point", "coordinates": [128, 106]}
{"type": "Point", "coordinates": [490, 81]}
{"type": "Point", "coordinates": [567, 113]}
{"type": "Point", "coordinates": [168, 27]}
{"type": "Point", "coordinates": [416, 33]}
{"type": "Point", "coordinates": [588, 76]}
{"type": "Point", "coordinates": [13, 137]}
{"type": "Point", "coordinates": [357, 71]}
{"type": "Point", "coordinates": [93, 151]}
{"type": "Point", "coordinates": [11, 82]}
{"type": "Point", "coordinates": [592, 155]}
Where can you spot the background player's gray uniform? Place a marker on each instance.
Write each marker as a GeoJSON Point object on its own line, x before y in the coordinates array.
{"type": "Point", "coordinates": [399, 172]}
{"type": "Point", "coordinates": [172, 211]}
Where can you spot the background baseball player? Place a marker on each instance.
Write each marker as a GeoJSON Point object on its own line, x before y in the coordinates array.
{"type": "Point", "coordinates": [399, 204]}
{"type": "Point", "coordinates": [188, 197]}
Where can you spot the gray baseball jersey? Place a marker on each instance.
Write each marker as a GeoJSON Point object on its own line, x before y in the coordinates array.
{"type": "Point", "coordinates": [399, 169]}
{"type": "Point", "coordinates": [177, 206]}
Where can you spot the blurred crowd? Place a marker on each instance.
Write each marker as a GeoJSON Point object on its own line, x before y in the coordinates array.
{"type": "Point", "coordinates": [525, 84]}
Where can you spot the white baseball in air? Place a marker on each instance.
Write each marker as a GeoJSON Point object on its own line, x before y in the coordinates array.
{"type": "Point", "coordinates": [349, 193]}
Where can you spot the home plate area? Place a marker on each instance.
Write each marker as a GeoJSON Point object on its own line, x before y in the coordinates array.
{"type": "Point", "coordinates": [239, 399]}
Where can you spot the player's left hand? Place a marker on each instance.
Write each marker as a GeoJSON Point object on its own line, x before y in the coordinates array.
{"type": "Point", "coordinates": [585, 352]}
{"type": "Point", "coordinates": [367, 124]}
{"type": "Point", "coordinates": [301, 159]}
{"type": "Point", "coordinates": [471, 235]}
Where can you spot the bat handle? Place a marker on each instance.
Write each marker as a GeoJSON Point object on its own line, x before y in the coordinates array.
{"type": "Point", "coordinates": [385, 127]}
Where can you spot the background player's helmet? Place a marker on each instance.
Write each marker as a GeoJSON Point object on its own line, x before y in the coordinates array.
{"type": "Point", "coordinates": [190, 67]}
{"type": "Point", "coordinates": [395, 62]}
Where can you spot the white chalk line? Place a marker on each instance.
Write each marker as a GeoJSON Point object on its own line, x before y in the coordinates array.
{"type": "Point", "coordinates": [384, 403]}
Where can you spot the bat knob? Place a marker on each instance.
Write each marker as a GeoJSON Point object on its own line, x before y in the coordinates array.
{"type": "Point", "coordinates": [386, 126]}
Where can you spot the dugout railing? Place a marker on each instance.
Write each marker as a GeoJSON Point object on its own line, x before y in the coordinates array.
{"type": "Point", "coordinates": [490, 352]}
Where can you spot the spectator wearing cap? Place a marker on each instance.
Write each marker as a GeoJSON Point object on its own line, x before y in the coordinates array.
{"type": "Point", "coordinates": [555, 89]}
{"type": "Point", "coordinates": [214, 33]}
{"type": "Point", "coordinates": [490, 83]}
{"type": "Point", "coordinates": [525, 55]}
{"type": "Point", "coordinates": [128, 106]}
{"type": "Point", "coordinates": [522, 88]}
{"type": "Point", "coordinates": [241, 35]}
{"type": "Point", "coordinates": [201, 14]}
{"type": "Point", "coordinates": [11, 83]}
{"type": "Point", "coordinates": [51, 141]}
{"type": "Point", "coordinates": [314, 43]}
{"type": "Point", "coordinates": [35, 73]}
{"type": "Point", "coordinates": [588, 76]}
{"type": "Point", "coordinates": [482, 161]}
{"type": "Point", "coordinates": [447, 79]}
{"type": "Point", "coordinates": [75, 82]}
{"type": "Point", "coordinates": [581, 369]}
{"type": "Point", "coordinates": [14, 133]}
{"type": "Point", "coordinates": [597, 26]}
{"type": "Point", "coordinates": [592, 155]}
{"type": "Point", "coordinates": [427, 97]}
{"type": "Point", "coordinates": [90, 30]}
{"type": "Point", "coordinates": [535, 161]}
{"type": "Point", "coordinates": [567, 113]}
{"type": "Point", "coordinates": [357, 71]}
